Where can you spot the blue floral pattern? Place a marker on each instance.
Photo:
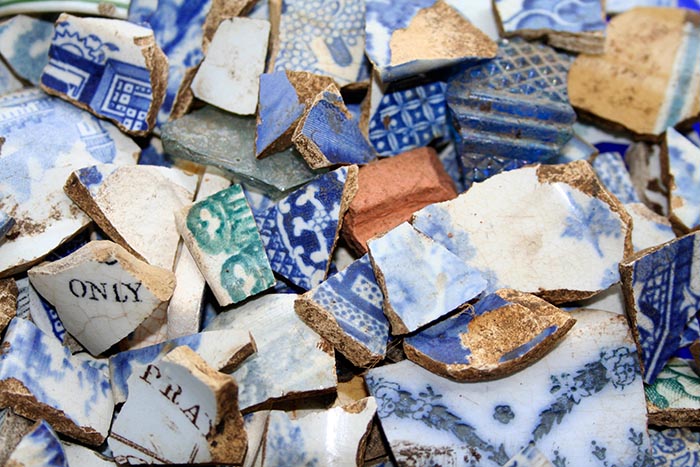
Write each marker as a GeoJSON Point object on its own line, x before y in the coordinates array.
{"type": "Point", "coordinates": [557, 15]}
{"type": "Point", "coordinates": [675, 447]}
{"type": "Point", "coordinates": [591, 222]}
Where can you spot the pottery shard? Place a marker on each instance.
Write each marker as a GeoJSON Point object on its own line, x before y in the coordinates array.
{"type": "Point", "coordinates": [391, 190]}
{"type": "Point", "coordinates": [8, 302]}
{"type": "Point", "coordinates": [646, 80]}
{"type": "Point", "coordinates": [695, 351]}
{"type": "Point", "coordinates": [12, 428]}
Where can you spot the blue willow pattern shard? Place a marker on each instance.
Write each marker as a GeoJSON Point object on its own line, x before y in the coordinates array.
{"type": "Point", "coordinates": [665, 293]}
{"type": "Point", "coordinates": [42, 364]}
{"type": "Point", "coordinates": [613, 174]}
{"type": "Point", "coordinates": [92, 71]}
{"type": "Point", "coordinates": [409, 119]}
{"type": "Point", "coordinates": [512, 110]}
{"type": "Point", "coordinates": [24, 43]}
{"type": "Point", "coordinates": [322, 37]}
{"type": "Point", "coordinates": [556, 15]}
{"type": "Point", "coordinates": [675, 447]}
{"type": "Point", "coordinates": [355, 300]}
{"type": "Point", "coordinates": [300, 231]}
{"type": "Point", "coordinates": [224, 229]}
{"type": "Point", "coordinates": [40, 446]}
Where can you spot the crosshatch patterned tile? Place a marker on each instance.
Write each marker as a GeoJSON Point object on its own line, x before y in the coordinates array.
{"type": "Point", "coordinates": [325, 38]}
{"type": "Point", "coordinates": [407, 119]}
{"type": "Point", "coordinates": [662, 294]}
{"type": "Point", "coordinates": [512, 110]}
{"type": "Point", "coordinates": [300, 231]}
{"type": "Point", "coordinates": [347, 310]}
{"type": "Point", "coordinates": [111, 67]}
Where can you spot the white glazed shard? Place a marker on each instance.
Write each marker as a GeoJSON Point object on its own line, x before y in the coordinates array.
{"type": "Point", "coordinates": [194, 416]}
{"type": "Point", "coordinates": [135, 206]}
{"type": "Point", "coordinates": [102, 293]}
{"type": "Point", "coordinates": [229, 76]}
{"type": "Point", "coordinates": [524, 229]}
{"type": "Point", "coordinates": [330, 437]}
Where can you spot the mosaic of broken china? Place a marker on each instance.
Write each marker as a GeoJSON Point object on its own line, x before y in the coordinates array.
{"type": "Point", "coordinates": [374, 233]}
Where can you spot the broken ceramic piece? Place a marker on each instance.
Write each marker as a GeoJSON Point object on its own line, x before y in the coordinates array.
{"type": "Point", "coordinates": [135, 206]}
{"type": "Point", "coordinates": [112, 8]}
{"type": "Point", "coordinates": [677, 447]}
{"type": "Point", "coordinates": [13, 427]}
{"type": "Point", "coordinates": [500, 335]}
{"type": "Point", "coordinates": [346, 310]}
{"type": "Point", "coordinates": [223, 350]}
{"type": "Point", "coordinates": [39, 379]}
{"type": "Point", "coordinates": [512, 110]}
{"type": "Point", "coordinates": [649, 229]}
{"type": "Point", "coordinates": [256, 429]}
{"type": "Point", "coordinates": [530, 456]}
{"type": "Point", "coordinates": [391, 190]}
{"type": "Point", "coordinates": [80, 456]}
{"type": "Point", "coordinates": [221, 234]}
{"type": "Point", "coordinates": [43, 314]}
{"type": "Point", "coordinates": [229, 74]}
{"type": "Point", "coordinates": [111, 68]}
{"type": "Point", "coordinates": [578, 26]}
{"type": "Point", "coordinates": [283, 367]}
{"type": "Point", "coordinates": [195, 417]}
{"type": "Point", "coordinates": [680, 160]}
{"type": "Point", "coordinates": [184, 310]}
{"type": "Point", "coordinates": [284, 97]}
{"type": "Point", "coordinates": [324, 39]}
{"type": "Point", "coordinates": [661, 291]}
{"type": "Point", "coordinates": [674, 397]}
{"type": "Point", "coordinates": [23, 300]}
{"type": "Point", "coordinates": [6, 221]}
{"type": "Point", "coordinates": [24, 44]}
{"type": "Point", "coordinates": [45, 140]}
{"type": "Point", "coordinates": [647, 79]}
{"type": "Point", "coordinates": [195, 24]}
{"type": "Point", "coordinates": [406, 119]}
{"type": "Point", "coordinates": [328, 135]}
{"type": "Point", "coordinates": [206, 136]}
{"type": "Point", "coordinates": [419, 36]}
{"type": "Point", "coordinates": [8, 302]}
{"type": "Point", "coordinates": [8, 82]}
{"type": "Point", "coordinates": [421, 280]}
{"type": "Point", "coordinates": [575, 149]}
{"type": "Point", "coordinates": [300, 231]}
{"type": "Point", "coordinates": [565, 411]}
{"type": "Point", "coordinates": [102, 292]}
{"type": "Point", "coordinates": [524, 228]}
{"type": "Point", "coordinates": [39, 447]}
{"type": "Point", "coordinates": [325, 437]}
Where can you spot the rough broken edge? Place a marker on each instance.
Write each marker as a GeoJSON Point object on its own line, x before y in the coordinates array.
{"type": "Point", "coordinates": [669, 180]}
{"type": "Point", "coordinates": [349, 191]}
{"type": "Point", "coordinates": [588, 42]}
{"type": "Point", "coordinates": [15, 395]}
{"type": "Point", "coordinates": [471, 373]}
{"type": "Point", "coordinates": [674, 418]}
{"type": "Point", "coordinates": [307, 86]}
{"type": "Point", "coordinates": [324, 324]}
{"type": "Point", "coordinates": [155, 62]}
{"type": "Point", "coordinates": [581, 176]}
{"type": "Point", "coordinates": [8, 302]}
{"type": "Point", "coordinates": [81, 196]}
{"type": "Point", "coordinates": [309, 150]}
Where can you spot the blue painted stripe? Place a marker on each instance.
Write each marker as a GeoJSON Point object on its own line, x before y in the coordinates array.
{"type": "Point", "coordinates": [685, 76]}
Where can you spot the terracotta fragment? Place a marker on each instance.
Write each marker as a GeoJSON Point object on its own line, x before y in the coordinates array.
{"type": "Point", "coordinates": [391, 190]}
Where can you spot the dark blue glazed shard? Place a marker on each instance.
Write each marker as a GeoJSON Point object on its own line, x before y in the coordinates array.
{"type": "Point", "coordinates": [512, 110]}
{"type": "Point", "coordinates": [328, 135]}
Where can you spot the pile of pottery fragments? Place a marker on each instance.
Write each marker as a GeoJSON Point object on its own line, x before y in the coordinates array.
{"type": "Point", "coordinates": [369, 232]}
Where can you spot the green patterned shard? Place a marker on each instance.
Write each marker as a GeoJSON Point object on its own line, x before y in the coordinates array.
{"type": "Point", "coordinates": [221, 235]}
{"type": "Point", "coordinates": [213, 137]}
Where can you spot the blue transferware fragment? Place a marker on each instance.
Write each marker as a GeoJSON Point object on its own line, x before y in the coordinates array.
{"type": "Point", "coordinates": [24, 44]}
{"type": "Point", "coordinates": [512, 110]}
{"type": "Point", "coordinates": [39, 447]}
